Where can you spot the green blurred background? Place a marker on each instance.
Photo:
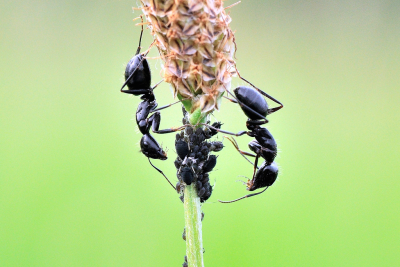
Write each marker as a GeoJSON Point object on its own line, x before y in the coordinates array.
{"type": "Point", "coordinates": [76, 191]}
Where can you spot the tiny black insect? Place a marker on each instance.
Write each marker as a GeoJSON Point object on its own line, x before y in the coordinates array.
{"type": "Point", "coordinates": [185, 263]}
{"type": "Point", "coordinates": [182, 148]}
{"type": "Point", "coordinates": [210, 163]}
{"type": "Point", "coordinates": [187, 175]}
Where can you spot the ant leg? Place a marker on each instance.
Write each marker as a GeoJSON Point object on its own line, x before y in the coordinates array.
{"type": "Point", "coordinates": [171, 130]}
{"type": "Point", "coordinates": [164, 56]}
{"type": "Point", "coordinates": [154, 87]}
{"type": "Point", "coordinates": [166, 106]}
{"type": "Point", "coordinates": [222, 131]}
{"type": "Point", "coordinates": [255, 166]}
{"type": "Point", "coordinates": [271, 110]}
{"type": "Point", "coordinates": [155, 120]}
{"type": "Point", "coordinates": [230, 99]}
{"type": "Point", "coordinates": [160, 171]}
{"type": "Point", "coordinates": [135, 91]}
{"type": "Point", "coordinates": [243, 153]}
{"type": "Point", "coordinates": [140, 39]}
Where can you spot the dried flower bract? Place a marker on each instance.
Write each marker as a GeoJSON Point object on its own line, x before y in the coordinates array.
{"type": "Point", "coordinates": [197, 46]}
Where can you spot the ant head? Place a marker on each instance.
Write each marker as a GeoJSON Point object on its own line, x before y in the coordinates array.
{"type": "Point", "coordinates": [265, 177]}
{"type": "Point", "coordinates": [151, 149]}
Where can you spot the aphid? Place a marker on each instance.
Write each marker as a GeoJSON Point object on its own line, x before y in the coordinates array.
{"type": "Point", "coordinates": [210, 163]}
{"type": "Point", "coordinates": [182, 148]}
{"type": "Point", "coordinates": [217, 125]}
{"type": "Point", "coordinates": [185, 263]}
{"type": "Point", "coordinates": [187, 175]}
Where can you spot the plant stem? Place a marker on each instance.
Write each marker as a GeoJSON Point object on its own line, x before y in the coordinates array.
{"type": "Point", "coordinates": [194, 239]}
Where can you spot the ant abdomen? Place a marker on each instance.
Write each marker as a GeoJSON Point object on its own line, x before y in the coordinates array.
{"type": "Point", "coordinates": [139, 72]}
{"type": "Point", "coordinates": [254, 102]}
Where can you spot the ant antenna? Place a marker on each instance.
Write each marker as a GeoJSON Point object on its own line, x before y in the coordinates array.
{"type": "Point", "coordinates": [246, 196]}
{"type": "Point", "coordinates": [160, 171]}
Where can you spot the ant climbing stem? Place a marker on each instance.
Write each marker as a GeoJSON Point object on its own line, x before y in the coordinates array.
{"type": "Point", "coordinates": [253, 104]}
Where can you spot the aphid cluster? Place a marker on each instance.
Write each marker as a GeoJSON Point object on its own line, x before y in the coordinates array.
{"type": "Point", "coordinates": [194, 161]}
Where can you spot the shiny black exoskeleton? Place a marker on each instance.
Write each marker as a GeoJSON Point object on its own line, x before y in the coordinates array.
{"type": "Point", "coordinates": [255, 107]}
{"type": "Point", "coordinates": [137, 73]}
{"type": "Point", "coordinates": [138, 81]}
{"type": "Point", "coordinates": [187, 175]}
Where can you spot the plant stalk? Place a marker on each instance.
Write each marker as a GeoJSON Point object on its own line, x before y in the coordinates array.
{"type": "Point", "coordinates": [194, 239]}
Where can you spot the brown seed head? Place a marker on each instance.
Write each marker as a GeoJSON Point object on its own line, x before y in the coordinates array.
{"type": "Point", "coordinates": [197, 47]}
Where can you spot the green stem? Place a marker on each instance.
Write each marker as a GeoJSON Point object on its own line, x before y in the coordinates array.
{"type": "Point", "coordinates": [194, 240]}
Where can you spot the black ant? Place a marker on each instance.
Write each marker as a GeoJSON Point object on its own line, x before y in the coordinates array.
{"type": "Point", "coordinates": [255, 107]}
{"type": "Point", "coordinates": [138, 81]}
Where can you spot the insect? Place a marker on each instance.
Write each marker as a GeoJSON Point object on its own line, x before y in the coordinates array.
{"type": "Point", "coordinates": [255, 107]}
{"type": "Point", "coordinates": [138, 81]}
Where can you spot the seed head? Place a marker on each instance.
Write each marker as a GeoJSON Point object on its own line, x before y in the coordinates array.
{"type": "Point", "coordinates": [197, 47]}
